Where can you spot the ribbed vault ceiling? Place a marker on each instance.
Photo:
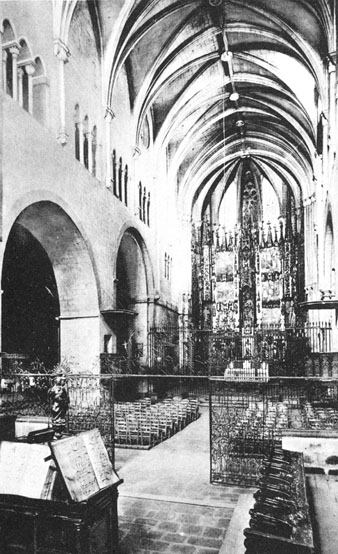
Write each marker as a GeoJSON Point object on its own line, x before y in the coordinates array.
{"type": "Point", "coordinates": [185, 59]}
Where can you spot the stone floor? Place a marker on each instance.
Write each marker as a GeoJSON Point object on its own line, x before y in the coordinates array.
{"type": "Point", "coordinates": [166, 503]}
{"type": "Point", "coordinates": [323, 496]}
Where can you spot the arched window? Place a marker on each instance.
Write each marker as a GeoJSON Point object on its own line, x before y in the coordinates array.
{"type": "Point", "coordinates": [140, 200]}
{"type": "Point", "coordinates": [120, 179]}
{"type": "Point", "coordinates": [8, 39]}
{"type": "Point", "coordinates": [126, 185]}
{"type": "Point", "coordinates": [40, 93]}
{"type": "Point", "coordinates": [144, 200]}
{"type": "Point", "coordinates": [26, 70]}
{"type": "Point", "coordinates": [329, 257]}
{"type": "Point", "coordinates": [9, 72]}
{"type": "Point", "coordinates": [77, 131]}
{"type": "Point", "coordinates": [25, 91]}
{"type": "Point", "coordinates": [114, 176]}
{"type": "Point", "coordinates": [85, 142]}
{"type": "Point", "coordinates": [8, 34]}
{"type": "Point", "coordinates": [148, 210]}
{"type": "Point", "coordinates": [94, 148]}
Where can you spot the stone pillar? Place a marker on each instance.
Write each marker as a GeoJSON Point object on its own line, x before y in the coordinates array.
{"type": "Point", "coordinates": [80, 342]}
{"type": "Point", "coordinates": [80, 125]}
{"type": "Point", "coordinates": [307, 248]}
{"type": "Point", "coordinates": [89, 138]}
{"type": "Point", "coordinates": [109, 116]}
{"type": "Point", "coordinates": [20, 86]}
{"type": "Point", "coordinates": [63, 54]}
{"type": "Point", "coordinates": [30, 69]}
{"type": "Point", "coordinates": [14, 50]}
{"type": "Point", "coordinates": [332, 98]}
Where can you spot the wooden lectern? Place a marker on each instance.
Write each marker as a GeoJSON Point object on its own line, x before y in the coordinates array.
{"type": "Point", "coordinates": [59, 498]}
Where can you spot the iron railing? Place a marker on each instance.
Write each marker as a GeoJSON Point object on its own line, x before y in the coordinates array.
{"type": "Point", "coordinates": [200, 352]}
{"type": "Point", "coordinates": [91, 401]}
{"type": "Point", "coordinates": [247, 420]}
{"type": "Point", "coordinates": [92, 397]}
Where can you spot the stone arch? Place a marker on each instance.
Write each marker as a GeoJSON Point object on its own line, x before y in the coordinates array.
{"type": "Point", "coordinates": [329, 256]}
{"type": "Point", "coordinates": [8, 31]}
{"type": "Point", "coordinates": [134, 284]}
{"type": "Point", "coordinates": [10, 47]}
{"type": "Point", "coordinates": [25, 54]}
{"type": "Point", "coordinates": [61, 267]}
{"type": "Point", "coordinates": [40, 91]}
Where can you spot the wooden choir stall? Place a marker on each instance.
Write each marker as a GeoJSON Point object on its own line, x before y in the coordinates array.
{"type": "Point", "coordinates": [58, 498]}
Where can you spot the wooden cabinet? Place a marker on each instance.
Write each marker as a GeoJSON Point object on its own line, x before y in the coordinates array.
{"type": "Point", "coordinates": [49, 527]}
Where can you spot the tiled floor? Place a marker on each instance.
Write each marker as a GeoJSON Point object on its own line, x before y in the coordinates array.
{"type": "Point", "coordinates": [148, 526]}
{"type": "Point", "coordinates": [166, 503]}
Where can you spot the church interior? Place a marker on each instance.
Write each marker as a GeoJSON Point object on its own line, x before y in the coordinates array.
{"type": "Point", "coordinates": [169, 299]}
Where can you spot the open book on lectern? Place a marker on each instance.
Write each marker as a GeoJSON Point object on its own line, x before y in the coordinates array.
{"type": "Point", "coordinates": [84, 464]}
{"type": "Point", "coordinates": [37, 471]}
{"type": "Point", "coordinates": [26, 470]}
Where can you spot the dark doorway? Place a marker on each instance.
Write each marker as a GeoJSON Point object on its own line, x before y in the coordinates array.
{"type": "Point", "coordinates": [30, 303]}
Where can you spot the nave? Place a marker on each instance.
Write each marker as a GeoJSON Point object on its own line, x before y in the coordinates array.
{"type": "Point", "coordinates": [167, 503]}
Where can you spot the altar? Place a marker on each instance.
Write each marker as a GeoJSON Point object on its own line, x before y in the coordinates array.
{"type": "Point", "coordinates": [247, 370]}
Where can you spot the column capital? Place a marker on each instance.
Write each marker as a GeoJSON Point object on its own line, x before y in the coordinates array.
{"type": "Point", "coordinates": [61, 50]}
{"type": "Point", "coordinates": [136, 151]}
{"type": "Point", "coordinates": [331, 60]}
{"type": "Point", "coordinates": [62, 137]}
{"type": "Point", "coordinates": [4, 55]}
{"type": "Point", "coordinates": [30, 69]}
{"type": "Point", "coordinates": [109, 115]}
{"type": "Point", "coordinates": [14, 50]}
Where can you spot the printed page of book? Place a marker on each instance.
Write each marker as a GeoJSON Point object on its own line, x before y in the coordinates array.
{"type": "Point", "coordinates": [73, 460]}
{"type": "Point", "coordinates": [98, 455]}
{"type": "Point", "coordinates": [23, 469]}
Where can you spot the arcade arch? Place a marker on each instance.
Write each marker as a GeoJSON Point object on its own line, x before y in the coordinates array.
{"type": "Point", "coordinates": [133, 280]}
{"type": "Point", "coordinates": [50, 297]}
{"type": "Point", "coordinates": [329, 264]}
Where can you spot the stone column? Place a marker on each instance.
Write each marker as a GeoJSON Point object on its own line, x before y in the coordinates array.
{"type": "Point", "coordinates": [89, 138]}
{"type": "Point", "coordinates": [80, 341]}
{"type": "Point", "coordinates": [14, 50]}
{"type": "Point", "coordinates": [81, 141]}
{"type": "Point", "coordinates": [63, 54]}
{"type": "Point", "coordinates": [109, 116]}
{"type": "Point", "coordinates": [332, 98]}
{"type": "Point", "coordinates": [20, 86]}
{"type": "Point", "coordinates": [133, 183]}
{"type": "Point", "coordinates": [30, 69]}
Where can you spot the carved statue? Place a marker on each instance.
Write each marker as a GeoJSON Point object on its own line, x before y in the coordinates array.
{"type": "Point", "coordinates": [59, 400]}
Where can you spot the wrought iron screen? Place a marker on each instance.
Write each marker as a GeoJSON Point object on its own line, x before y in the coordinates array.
{"type": "Point", "coordinates": [247, 420]}
{"type": "Point", "coordinates": [91, 401]}
{"type": "Point", "coordinates": [93, 397]}
{"type": "Point", "coordinates": [288, 351]}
